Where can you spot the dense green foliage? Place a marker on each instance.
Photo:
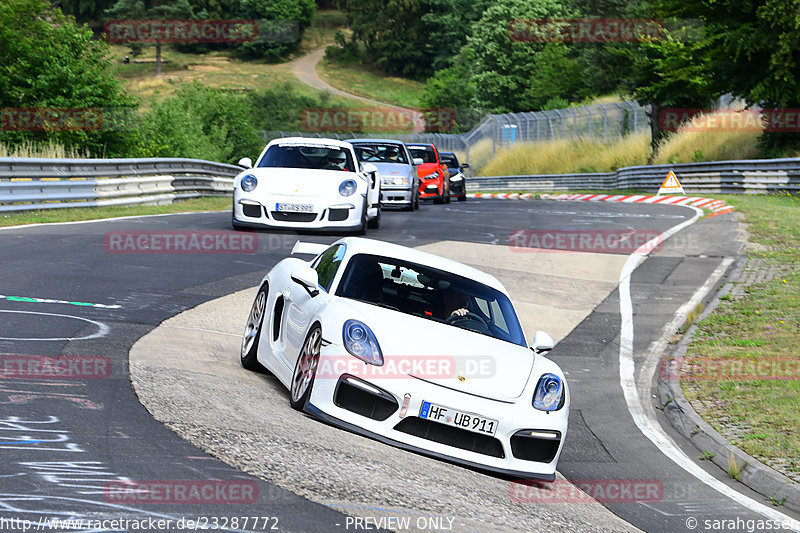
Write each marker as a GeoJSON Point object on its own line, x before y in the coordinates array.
{"type": "Point", "coordinates": [47, 61]}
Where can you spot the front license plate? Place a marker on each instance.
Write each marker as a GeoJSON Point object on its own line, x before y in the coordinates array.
{"type": "Point", "coordinates": [295, 208]}
{"type": "Point", "coordinates": [459, 419]}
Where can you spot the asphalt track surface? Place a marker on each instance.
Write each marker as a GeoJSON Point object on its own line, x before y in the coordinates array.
{"type": "Point", "coordinates": [66, 442]}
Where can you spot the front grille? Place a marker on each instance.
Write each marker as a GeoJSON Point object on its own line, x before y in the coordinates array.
{"type": "Point", "coordinates": [250, 210]}
{"type": "Point", "coordinates": [529, 448]}
{"type": "Point", "coordinates": [337, 215]}
{"type": "Point", "coordinates": [289, 216]}
{"type": "Point", "coordinates": [362, 402]}
{"type": "Point", "coordinates": [451, 436]}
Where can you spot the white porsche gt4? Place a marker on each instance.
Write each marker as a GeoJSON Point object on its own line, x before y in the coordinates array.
{"type": "Point", "coordinates": [412, 349]}
{"type": "Point", "coordinates": [301, 183]}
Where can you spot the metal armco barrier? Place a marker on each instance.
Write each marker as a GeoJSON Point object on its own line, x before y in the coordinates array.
{"type": "Point", "coordinates": [757, 176]}
{"type": "Point", "coordinates": [27, 184]}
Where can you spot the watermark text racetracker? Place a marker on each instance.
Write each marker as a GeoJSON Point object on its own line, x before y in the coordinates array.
{"type": "Point", "coordinates": [201, 31]}
{"type": "Point", "coordinates": [611, 241]}
{"type": "Point", "coordinates": [783, 120]}
{"type": "Point", "coordinates": [182, 491]}
{"type": "Point", "coordinates": [756, 368]}
{"type": "Point", "coordinates": [54, 119]}
{"type": "Point", "coordinates": [402, 366]}
{"type": "Point", "coordinates": [587, 491]}
{"type": "Point", "coordinates": [377, 119]}
{"type": "Point", "coordinates": [180, 242]}
{"type": "Point", "coordinates": [602, 30]}
{"type": "Point", "coordinates": [54, 367]}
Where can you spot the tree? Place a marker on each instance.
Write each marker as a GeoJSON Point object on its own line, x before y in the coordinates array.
{"type": "Point", "coordinates": [752, 50]}
{"type": "Point", "coordinates": [294, 15]}
{"type": "Point", "coordinates": [138, 10]}
{"type": "Point", "coordinates": [503, 67]}
{"type": "Point", "coordinates": [47, 61]}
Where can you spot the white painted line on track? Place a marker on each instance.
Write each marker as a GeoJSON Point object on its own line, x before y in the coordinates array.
{"type": "Point", "coordinates": [102, 329]}
{"type": "Point", "coordinates": [645, 418]}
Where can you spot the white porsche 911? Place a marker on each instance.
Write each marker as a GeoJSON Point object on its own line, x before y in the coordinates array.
{"type": "Point", "coordinates": [412, 349]}
{"type": "Point", "coordinates": [305, 183]}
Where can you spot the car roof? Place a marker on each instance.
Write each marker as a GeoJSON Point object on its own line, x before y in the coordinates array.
{"type": "Point", "coordinates": [429, 145]}
{"type": "Point", "coordinates": [312, 140]}
{"type": "Point", "coordinates": [392, 141]}
{"type": "Point", "coordinates": [356, 245]}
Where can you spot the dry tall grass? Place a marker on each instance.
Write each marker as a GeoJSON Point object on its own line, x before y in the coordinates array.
{"type": "Point", "coordinates": [563, 156]}
{"type": "Point", "coordinates": [692, 144]}
{"type": "Point", "coordinates": [49, 150]}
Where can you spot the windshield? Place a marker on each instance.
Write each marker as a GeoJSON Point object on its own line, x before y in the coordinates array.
{"type": "Point", "coordinates": [425, 153]}
{"type": "Point", "coordinates": [311, 156]}
{"type": "Point", "coordinates": [449, 160]}
{"type": "Point", "coordinates": [431, 294]}
{"type": "Point", "coordinates": [380, 153]}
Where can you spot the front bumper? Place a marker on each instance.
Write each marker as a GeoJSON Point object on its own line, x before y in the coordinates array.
{"type": "Point", "coordinates": [431, 188]}
{"type": "Point", "coordinates": [504, 455]}
{"type": "Point", "coordinates": [396, 196]}
{"type": "Point", "coordinates": [344, 213]}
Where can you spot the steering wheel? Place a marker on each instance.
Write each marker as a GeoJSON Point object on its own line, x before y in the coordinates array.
{"type": "Point", "coordinates": [470, 316]}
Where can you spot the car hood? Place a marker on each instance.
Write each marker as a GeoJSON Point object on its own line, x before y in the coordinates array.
{"type": "Point", "coordinates": [393, 169]}
{"type": "Point", "coordinates": [427, 168]}
{"type": "Point", "coordinates": [301, 182]}
{"type": "Point", "coordinates": [443, 354]}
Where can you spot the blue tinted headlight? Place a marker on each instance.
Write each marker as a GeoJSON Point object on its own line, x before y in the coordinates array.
{"type": "Point", "coordinates": [361, 342]}
{"type": "Point", "coordinates": [548, 393]}
{"type": "Point", "coordinates": [347, 188]}
{"type": "Point", "coordinates": [249, 183]}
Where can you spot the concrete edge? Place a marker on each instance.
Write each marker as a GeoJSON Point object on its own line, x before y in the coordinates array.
{"type": "Point", "coordinates": [754, 474]}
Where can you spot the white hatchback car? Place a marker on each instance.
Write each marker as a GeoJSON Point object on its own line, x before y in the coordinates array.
{"type": "Point", "coordinates": [302, 183]}
{"type": "Point", "coordinates": [413, 350]}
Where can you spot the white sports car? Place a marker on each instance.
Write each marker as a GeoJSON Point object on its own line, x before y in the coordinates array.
{"type": "Point", "coordinates": [411, 349]}
{"type": "Point", "coordinates": [301, 183]}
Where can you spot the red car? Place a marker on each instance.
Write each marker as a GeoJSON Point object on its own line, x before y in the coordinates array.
{"type": "Point", "coordinates": [433, 174]}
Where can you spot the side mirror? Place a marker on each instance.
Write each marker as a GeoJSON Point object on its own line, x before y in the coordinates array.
{"type": "Point", "coordinates": [465, 165]}
{"type": "Point", "coordinates": [308, 279]}
{"type": "Point", "coordinates": [369, 168]}
{"type": "Point", "coordinates": [246, 162]}
{"type": "Point", "coordinates": [418, 161]}
{"type": "Point", "coordinates": [542, 342]}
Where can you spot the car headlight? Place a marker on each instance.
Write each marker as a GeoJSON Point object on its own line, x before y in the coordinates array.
{"type": "Point", "coordinates": [348, 188]}
{"type": "Point", "coordinates": [397, 180]}
{"type": "Point", "coordinates": [457, 177]}
{"type": "Point", "coordinates": [361, 342]}
{"type": "Point", "coordinates": [249, 183]}
{"type": "Point", "coordinates": [432, 175]}
{"type": "Point", "coordinates": [549, 392]}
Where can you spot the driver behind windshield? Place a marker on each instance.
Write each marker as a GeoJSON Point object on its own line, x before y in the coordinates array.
{"type": "Point", "coordinates": [336, 161]}
{"type": "Point", "coordinates": [454, 303]}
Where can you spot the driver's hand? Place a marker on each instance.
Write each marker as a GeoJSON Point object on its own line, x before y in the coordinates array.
{"type": "Point", "coordinates": [459, 312]}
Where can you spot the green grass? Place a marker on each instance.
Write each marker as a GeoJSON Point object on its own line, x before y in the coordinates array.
{"type": "Point", "coordinates": [360, 80]}
{"type": "Point", "coordinates": [762, 325]}
{"type": "Point", "coordinates": [95, 213]}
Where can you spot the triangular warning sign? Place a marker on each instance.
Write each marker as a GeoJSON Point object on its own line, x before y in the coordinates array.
{"type": "Point", "coordinates": [671, 185]}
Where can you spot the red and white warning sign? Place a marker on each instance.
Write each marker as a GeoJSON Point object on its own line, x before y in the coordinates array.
{"type": "Point", "coordinates": [671, 185]}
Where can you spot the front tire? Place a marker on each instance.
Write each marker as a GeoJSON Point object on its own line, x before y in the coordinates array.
{"type": "Point", "coordinates": [305, 370]}
{"type": "Point", "coordinates": [252, 332]}
{"type": "Point", "coordinates": [362, 229]}
{"type": "Point", "coordinates": [375, 223]}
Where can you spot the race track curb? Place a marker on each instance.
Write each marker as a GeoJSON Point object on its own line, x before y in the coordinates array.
{"type": "Point", "coordinates": [718, 207]}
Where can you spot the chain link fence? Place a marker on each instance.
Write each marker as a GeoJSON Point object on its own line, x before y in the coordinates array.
{"type": "Point", "coordinates": [597, 121]}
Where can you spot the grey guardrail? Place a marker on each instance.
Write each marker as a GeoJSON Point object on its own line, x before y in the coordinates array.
{"type": "Point", "coordinates": [27, 184]}
{"type": "Point", "coordinates": [755, 176]}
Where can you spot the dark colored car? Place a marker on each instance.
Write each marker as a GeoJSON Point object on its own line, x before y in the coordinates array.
{"type": "Point", "coordinates": [433, 174]}
{"type": "Point", "coordinates": [458, 180]}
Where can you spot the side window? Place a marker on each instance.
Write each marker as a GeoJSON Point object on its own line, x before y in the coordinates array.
{"type": "Point", "coordinates": [327, 264]}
